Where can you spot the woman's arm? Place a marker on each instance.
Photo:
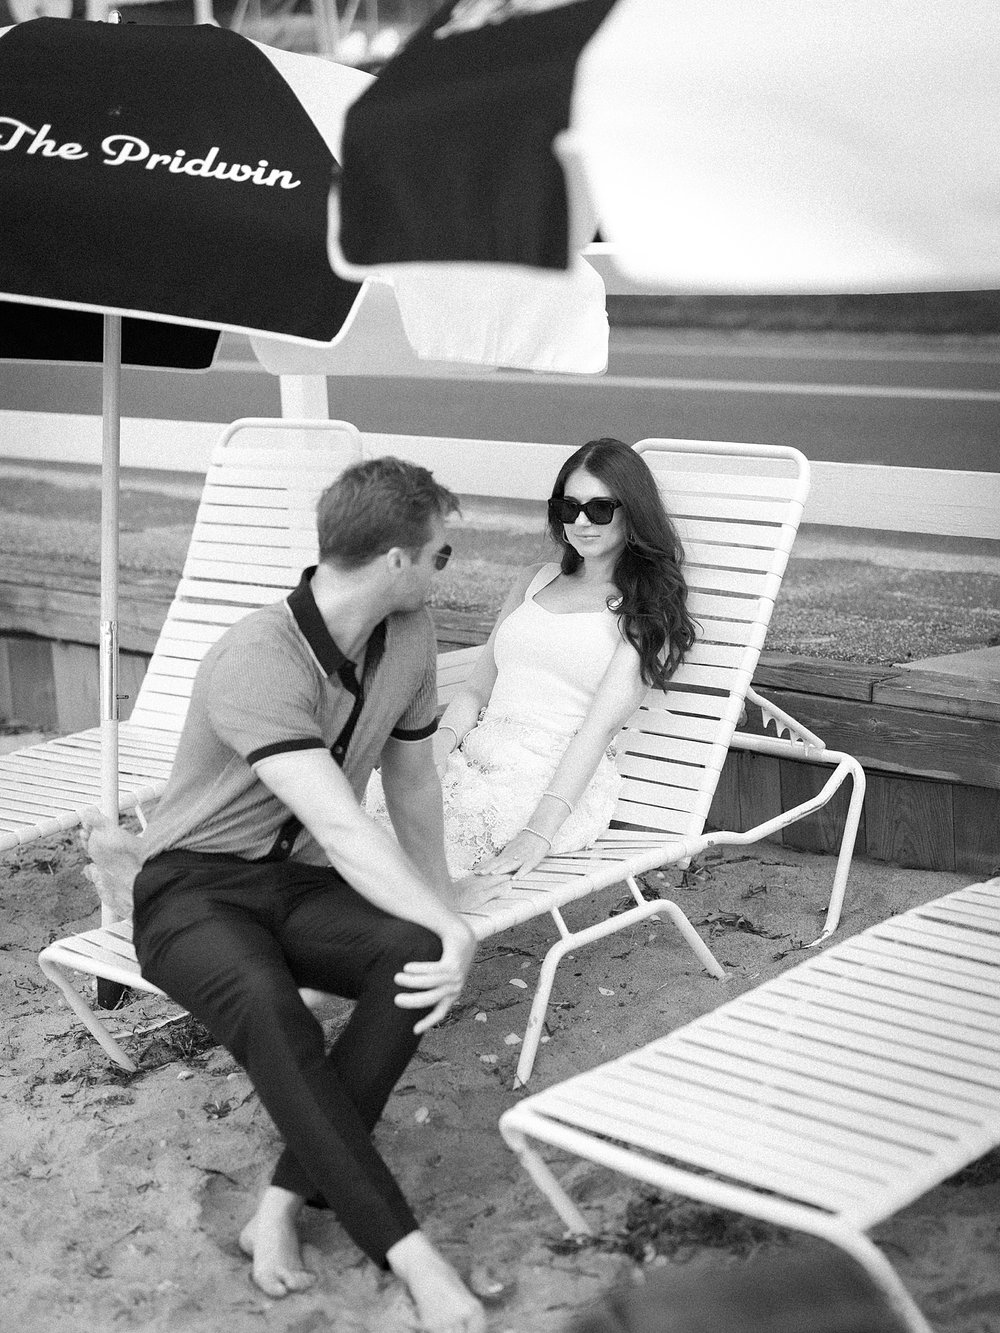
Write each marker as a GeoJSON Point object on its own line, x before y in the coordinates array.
{"type": "Point", "coordinates": [462, 712]}
{"type": "Point", "coordinates": [619, 694]}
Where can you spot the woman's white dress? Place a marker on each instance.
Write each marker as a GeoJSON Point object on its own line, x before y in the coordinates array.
{"type": "Point", "coordinates": [549, 666]}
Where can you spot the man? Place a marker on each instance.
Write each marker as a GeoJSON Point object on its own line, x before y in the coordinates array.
{"type": "Point", "coordinates": [262, 875]}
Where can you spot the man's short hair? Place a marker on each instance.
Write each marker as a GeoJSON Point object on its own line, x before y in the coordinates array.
{"type": "Point", "coordinates": [376, 505]}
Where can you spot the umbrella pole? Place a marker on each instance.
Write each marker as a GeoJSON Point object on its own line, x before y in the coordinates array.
{"type": "Point", "coordinates": [109, 994]}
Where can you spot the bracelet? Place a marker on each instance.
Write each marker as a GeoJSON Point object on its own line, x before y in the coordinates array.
{"type": "Point", "coordinates": [562, 799]}
{"type": "Point", "coordinates": [458, 740]}
{"type": "Point", "coordinates": [547, 841]}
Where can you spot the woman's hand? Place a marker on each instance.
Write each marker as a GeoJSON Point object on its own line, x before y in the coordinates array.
{"type": "Point", "coordinates": [445, 741]}
{"type": "Point", "coordinates": [522, 854]}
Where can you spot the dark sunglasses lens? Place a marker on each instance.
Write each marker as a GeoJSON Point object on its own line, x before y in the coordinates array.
{"type": "Point", "coordinates": [562, 510]}
{"type": "Point", "coordinates": [600, 511]}
{"type": "Point", "coordinates": [442, 557]}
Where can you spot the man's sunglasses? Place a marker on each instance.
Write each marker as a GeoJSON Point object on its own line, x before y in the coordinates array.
{"type": "Point", "coordinates": [564, 510]}
{"type": "Point", "coordinates": [442, 557]}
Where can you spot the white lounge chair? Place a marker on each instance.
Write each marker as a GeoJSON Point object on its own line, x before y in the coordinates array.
{"type": "Point", "coordinates": [824, 1100]}
{"type": "Point", "coordinates": [253, 534]}
{"type": "Point", "coordinates": [738, 508]}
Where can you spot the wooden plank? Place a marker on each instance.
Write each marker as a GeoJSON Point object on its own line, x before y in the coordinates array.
{"type": "Point", "coordinates": [760, 789]}
{"type": "Point", "coordinates": [940, 692]}
{"type": "Point", "coordinates": [902, 740]}
{"type": "Point", "coordinates": [977, 830]}
{"type": "Point", "coordinates": [909, 822]}
{"type": "Point", "coordinates": [6, 701]}
{"type": "Point", "coordinates": [75, 670]}
{"type": "Point", "coordinates": [33, 695]}
{"type": "Point", "coordinates": [459, 629]}
{"type": "Point", "coordinates": [725, 809]}
{"type": "Point", "coordinates": [817, 675]}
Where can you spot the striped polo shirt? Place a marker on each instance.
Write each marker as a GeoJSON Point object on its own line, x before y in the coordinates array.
{"type": "Point", "coordinates": [276, 682]}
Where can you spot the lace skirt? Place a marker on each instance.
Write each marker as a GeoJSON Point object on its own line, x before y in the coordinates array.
{"type": "Point", "coordinates": [493, 784]}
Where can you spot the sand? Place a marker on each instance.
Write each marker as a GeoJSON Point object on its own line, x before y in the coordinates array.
{"type": "Point", "coordinates": [123, 1193]}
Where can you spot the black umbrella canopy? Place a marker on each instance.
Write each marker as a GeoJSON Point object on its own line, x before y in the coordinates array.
{"type": "Point", "coordinates": [170, 172]}
{"type": "Point", "coordinates": [42, 333]}
{"type": "Point", "coordinates": [180, 175]}
{"type": "Point", "coordinates": [448, 155]}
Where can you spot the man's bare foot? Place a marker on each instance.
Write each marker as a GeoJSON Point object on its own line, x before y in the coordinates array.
{"type": "Point", "coordinates": [116, 859]}
{"type": "Point", "coordinates": [271, 1239]}
{"type": "Point", "coordinates": [444, 1303]}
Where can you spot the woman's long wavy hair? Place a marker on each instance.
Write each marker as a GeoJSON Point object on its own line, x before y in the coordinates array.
{"type": "Point", "coordinates": [652, 607]}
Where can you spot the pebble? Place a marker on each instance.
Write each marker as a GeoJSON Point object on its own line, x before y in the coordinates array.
{"type": "Point", "coordinates": [481, 1017]}
{"type": "Point", "coordinates": [519, 983]}
{"type": "Point", "coordinates": [185, 1074]}
{"type": "Point", "coordinates": [603, 990]}
{"type": "Point", "coordinates": [512, 1039]}
{"type": "Point", "coordinates": [421, 1115]}
{"type": "Point", "coordinates": [488, 1059]}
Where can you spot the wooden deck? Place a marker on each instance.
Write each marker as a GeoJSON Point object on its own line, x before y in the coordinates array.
{"type": "Point", "coordinates": [930, 742]}
{"type": "Point", "coordinates": [930, 746]}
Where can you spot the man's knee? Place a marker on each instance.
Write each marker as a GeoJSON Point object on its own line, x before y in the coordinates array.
{"type": "Point", "coordinates": [405, 942]}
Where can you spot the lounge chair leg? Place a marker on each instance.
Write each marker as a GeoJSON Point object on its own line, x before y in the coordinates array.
{"type": "Point", "coordinates": [876, 1265]}
{"type": "Point", "coordinates": [846, 853]}
{"type": "Point", "coordinates": [539, 1008]}
{"type": "Point", "coordinates": [693, 940]}
{"type": "Point", "coordinates": [86, 1015]}
{"type": "Point", "coordinates": [546, 1181]}
{"type": "Point", "coordinates": [642, 911]}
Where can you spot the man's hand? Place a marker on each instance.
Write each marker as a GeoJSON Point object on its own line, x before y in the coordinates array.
{"type": "Point", "coordinates": [438, 984]}
{"type": "Point", "coordinates": [522, 854]}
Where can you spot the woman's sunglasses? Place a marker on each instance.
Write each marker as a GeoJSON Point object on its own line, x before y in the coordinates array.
{"type": "Point", "coordinates": [442, 557]}
{"type": "Point", "coordinates": [564, 510]}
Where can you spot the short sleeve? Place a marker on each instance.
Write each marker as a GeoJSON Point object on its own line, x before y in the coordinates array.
{"type": "Point", "coordinates": [259, 702]}
{"type": "Point", "coordinates": [419, 719]}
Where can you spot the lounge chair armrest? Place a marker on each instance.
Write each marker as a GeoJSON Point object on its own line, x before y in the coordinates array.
{"type": "Point", "coordinates": [784, 724]}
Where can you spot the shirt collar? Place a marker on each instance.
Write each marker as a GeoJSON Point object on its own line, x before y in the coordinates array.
{"type": "Point", "coordinates": [306, 614]}
{"type": "Point", "coordinates": [312, 626]}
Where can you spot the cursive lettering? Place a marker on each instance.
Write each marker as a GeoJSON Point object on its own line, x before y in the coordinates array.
{"type": "Point", "coordinates": [12, 132]}
{"type": "Point", "coordinates": [122, 149]}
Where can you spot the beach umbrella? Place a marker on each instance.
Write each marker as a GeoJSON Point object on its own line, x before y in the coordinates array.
{"type": "Point", "coordinates": [175, 174]}
{"type": "Point", "coordinates": [178, 179]}
{"type": "Point", "coordinates": [730, 147]}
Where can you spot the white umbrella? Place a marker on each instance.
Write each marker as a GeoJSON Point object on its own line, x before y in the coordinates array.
{"type": "Point", "coordinates": [775, 146]}
{"type": "Point", "coordinates": [736, 146]}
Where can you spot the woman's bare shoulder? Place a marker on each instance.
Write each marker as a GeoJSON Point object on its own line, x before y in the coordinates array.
{"type": "Point", "coordinates": [526, 574]}
{"type": "Point", "coordinates": [523, 580]}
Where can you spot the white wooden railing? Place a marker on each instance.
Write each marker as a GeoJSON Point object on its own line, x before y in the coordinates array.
{"type": "Point", "coordinates": [856, 495]}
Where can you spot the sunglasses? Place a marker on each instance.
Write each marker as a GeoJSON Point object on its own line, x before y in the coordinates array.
{"type": "Point", "coordinates": [442, 557]}
{"type": "Point", "coordinates": [564, 510]}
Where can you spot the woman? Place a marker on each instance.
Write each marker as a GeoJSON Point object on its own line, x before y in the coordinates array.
{"type": "Point", "coordinates": [526, 749]}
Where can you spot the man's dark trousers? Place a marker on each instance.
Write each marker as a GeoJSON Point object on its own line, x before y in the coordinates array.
{"type": "Point", "coordinates": [232, 941]}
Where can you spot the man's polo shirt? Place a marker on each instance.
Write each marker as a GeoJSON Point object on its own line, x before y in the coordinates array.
{"type": "Point", "coordinates": [276, 683]}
